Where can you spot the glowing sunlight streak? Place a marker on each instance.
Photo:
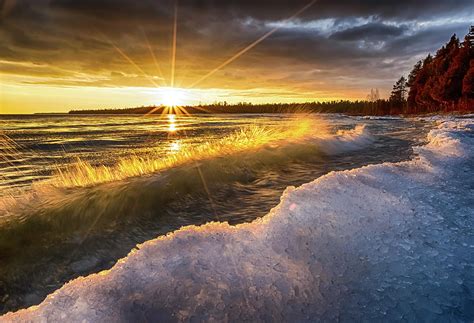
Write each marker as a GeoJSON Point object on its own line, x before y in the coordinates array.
{"type": "Point", "coordinates": [252, 45]}
{"type": "Point", "coordinates": [155, 60]}
{"type": "Point", "coordinates": [175, 38]}
{"type": "Point", "coordinates": [175, 146]}
{"type": "Point", "coordinates": [252, 137]}
{"type": "Point", "coordinates": [9, 152]}
{"type": "Point", "coordinates": [172, 123]}
{"type": "Point", "coordinates": [171, 97]}
{"type": "Point", "coordinates": [126, 57]}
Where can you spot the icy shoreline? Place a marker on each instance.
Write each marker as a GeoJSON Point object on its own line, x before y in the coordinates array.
{"type": "Point", "coordinates": [383, 242]}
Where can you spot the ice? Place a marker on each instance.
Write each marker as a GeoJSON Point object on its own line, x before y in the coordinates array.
{"type": "Point", "coordinates": [387, 242]}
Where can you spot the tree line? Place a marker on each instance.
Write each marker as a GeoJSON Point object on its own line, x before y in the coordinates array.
{"type": "Point", "coordinates": [379, 107]}
{"type": "Point", "coordinates": [440, 83]}
{"type": "Point", "coordinates": [444, 82]}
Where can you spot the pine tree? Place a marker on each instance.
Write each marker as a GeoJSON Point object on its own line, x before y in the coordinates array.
{"type": "Point", "coordinates": [412, 83]}
{"type": "Point", "coordinates": [424, 100]}
{"type": "Point", "coordinates": [443, 82]}
{"type": "Point", "coordinates": [470, 36]}
{"type": "Point", "coordinates": [468, 81]}
{"type": "Point", "coordinates": [468, 84]}
{"type": "Point", "coordinates": [398, 95]}
{"type": "Point", "coordinates": [450, 70]}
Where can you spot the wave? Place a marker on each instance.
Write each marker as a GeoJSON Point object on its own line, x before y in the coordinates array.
{"type": "Point", "coordinates": [247, 139]}
{"type": "Point", "coordinates": [381, 118]}
{"type": "Point", "coordinates": [387, 242]}
{"type": "Point", "coordinates": [299, 138]}
{"type": "Point", "coordinates": [346, 141]}
{"type": "Point", "coordinates": [85, 197]}
{"type": "Point", "coordinates": [51, 230]}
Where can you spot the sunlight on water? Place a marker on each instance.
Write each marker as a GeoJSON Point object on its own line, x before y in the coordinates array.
{"type": "Point", "coordinates": [251, 137]}
{"type": "Point", "coordinates": [175, 146]}
{"type": "Point", "coordinates": [8, 149]}
{"type": "Point", "coordinates": [9, 152]}
{"type": "Point", "coordinates": [172, 123]}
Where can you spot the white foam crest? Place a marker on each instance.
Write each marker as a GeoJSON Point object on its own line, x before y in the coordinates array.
{"type": "Point", "coordinates": [380, 118]}
{"type": "Point", "coordinates": [329, 143]}
{"type": "Point", "coordinates": [346, 141]}
{"type": "Point", "coordinates": [446, 140]}
{"type": "Point", "coordinates": [387, 242]}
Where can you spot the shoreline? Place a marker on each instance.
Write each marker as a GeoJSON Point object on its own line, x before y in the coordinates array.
{"type": "Point", "coordinates": [282, 254]}
{"type": "Point", "coordinates": [431, 114]}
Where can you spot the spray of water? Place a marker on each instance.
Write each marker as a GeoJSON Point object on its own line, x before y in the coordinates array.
{"type": "Point", "coordinates": [252, 137]}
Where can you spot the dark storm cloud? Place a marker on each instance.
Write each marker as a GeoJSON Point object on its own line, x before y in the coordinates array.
{"type": "Point", "coordinates": [369, 31]}
{"type": "Point", "coordinates": [275, 9]}
{"type": "Point", "coordinates": [346, 37]}
{"type": "Point", "coordinates": [114, 10]}
{"type": "Point", "coordinates": [262, 9]}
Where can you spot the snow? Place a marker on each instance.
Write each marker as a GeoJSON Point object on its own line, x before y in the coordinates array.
{"type": "Point", "coordinates": [386, 242]}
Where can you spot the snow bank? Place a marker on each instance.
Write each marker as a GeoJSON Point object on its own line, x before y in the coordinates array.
{"type": "Point", "coordinates": [386, 242]}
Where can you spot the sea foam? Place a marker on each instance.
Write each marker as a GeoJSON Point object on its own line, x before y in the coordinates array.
{"type": "Point", "coordinates": [386, 242]}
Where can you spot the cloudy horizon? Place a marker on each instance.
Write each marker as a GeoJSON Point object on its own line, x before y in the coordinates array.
{"type": "Point", "coordinates": [94, 54]}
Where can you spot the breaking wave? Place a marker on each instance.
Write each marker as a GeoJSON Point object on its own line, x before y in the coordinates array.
{"type": "Point", "coordinates": [380, 118]}
{"type": "Point", "coordinates": [251, 139]}
{"type": "Point", "coordinates": [387, 242]}
{"type": "Point", "coordinates": [82, 221]}
{"type": "Point", "coordinates": [228, 156]}
{"type": "Point", "coordinates": [86, 197]}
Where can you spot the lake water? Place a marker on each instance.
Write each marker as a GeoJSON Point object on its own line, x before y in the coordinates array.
{"type": "Point", "coordinates": [51, 233]}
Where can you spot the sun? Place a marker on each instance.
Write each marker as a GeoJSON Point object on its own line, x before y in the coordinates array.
{"type": "Point", "coordinates": [171, 97]}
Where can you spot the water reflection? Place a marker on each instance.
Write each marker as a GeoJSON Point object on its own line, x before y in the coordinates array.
{"type": "Point", "coordinates": [175, 146]}
{"type": "Point", "coordinates": [172, 123]}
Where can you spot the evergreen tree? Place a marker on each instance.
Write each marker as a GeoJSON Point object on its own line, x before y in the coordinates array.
{"type": "Point", "coordinates": [422, 80]}
{"type": "Point", "coordinates": [443, 82]}
{"type": "Point", "coordinates": [398, 95]}
{"type": "Point", "coordinates": [470, 36]}
{"type": "Point", "coordinates": [458, 70]}
{"type": "Point", "coordinates": [468, 84]}
{"type": "Point", "coordinates": [468, 81]}
{"type": "Point", "coordinates": [412, 83]}
{"type": "Point", "coordinates": [452, 67]}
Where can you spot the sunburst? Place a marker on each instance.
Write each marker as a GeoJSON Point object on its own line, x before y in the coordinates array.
{"type": "Point", "coordinates": [172, 98]}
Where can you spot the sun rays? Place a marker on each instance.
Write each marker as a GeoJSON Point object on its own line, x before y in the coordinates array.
{"type": "Point", "coordinates": [171, 98]}
{"type": "Point", "coordinates": [248, 138]}
{"type": "Point", "coordinates": [153, 55]}
{"type": "Point", "coordinates": [252, 45]}
{"type": "Point", "coordinates": [9, 151]}
{"type": "Point", "coordinates": [131, 61]}
{"type": "Point", "coordinates": [173, 105]}
{"type": "Point", "coordinates": [175, 43]}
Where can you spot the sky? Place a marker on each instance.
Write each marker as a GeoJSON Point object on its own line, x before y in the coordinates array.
{"type": "Point", "coordinates": [58, 55]}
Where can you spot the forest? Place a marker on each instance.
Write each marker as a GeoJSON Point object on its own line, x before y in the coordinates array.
{"type": "Point", "coordinates": [440, 83]}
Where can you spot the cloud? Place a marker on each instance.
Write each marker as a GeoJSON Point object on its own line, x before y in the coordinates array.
{"type": "Point", "coordinates": [84, 42]}
{"type": "Point", "coordinates": [370, 31]}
